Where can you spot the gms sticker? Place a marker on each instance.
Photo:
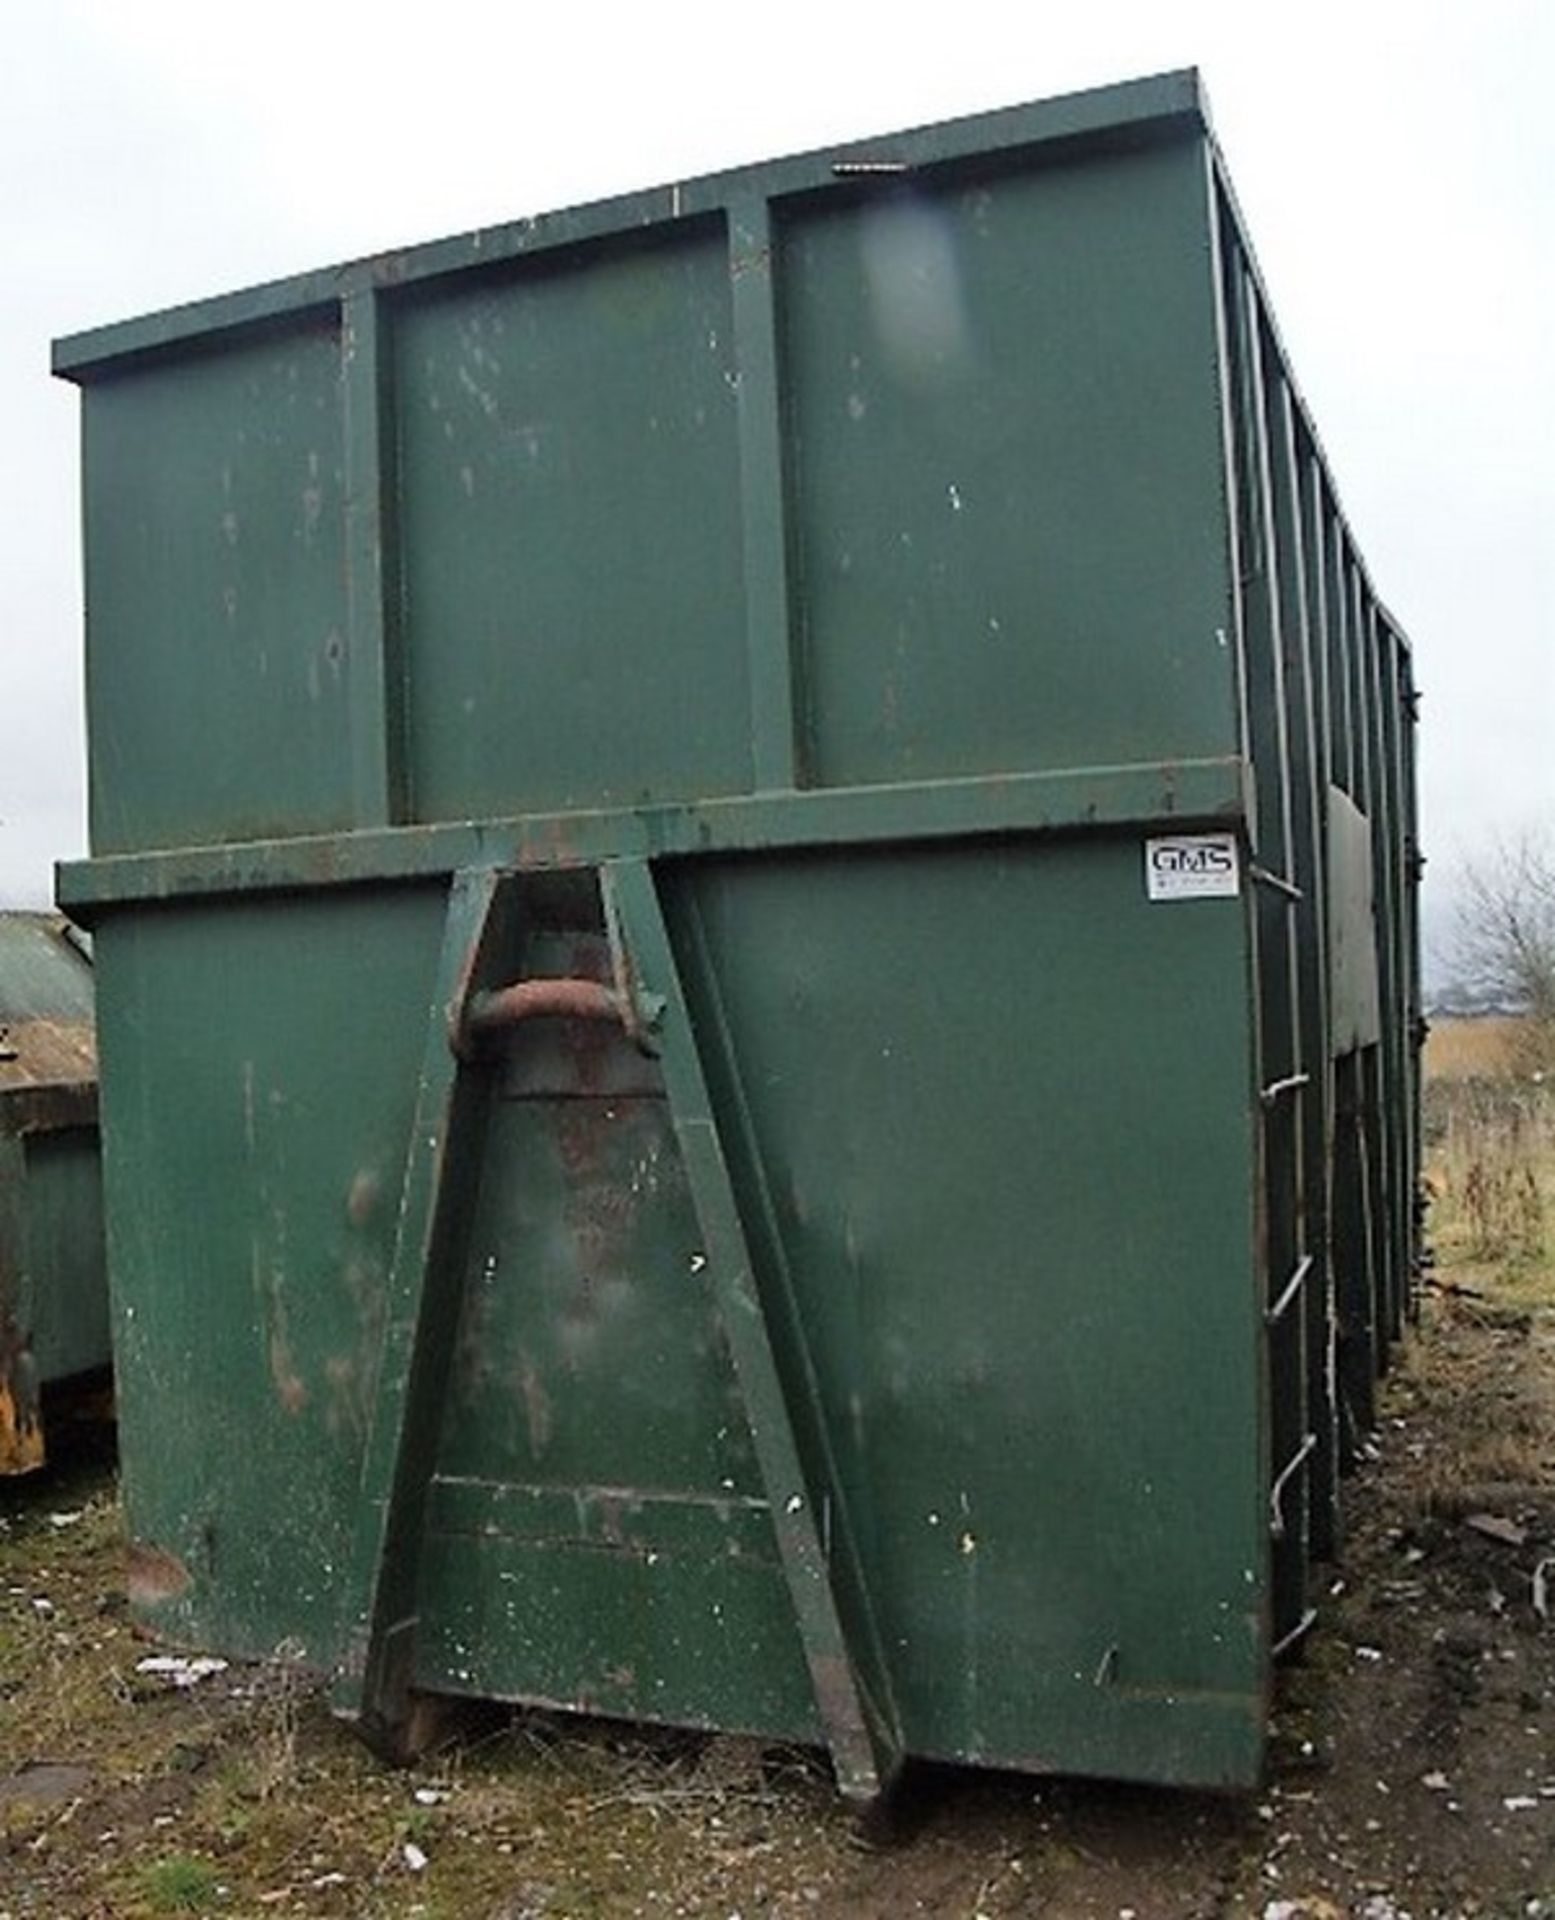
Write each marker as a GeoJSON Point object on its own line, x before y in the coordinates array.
{"type": "Point", "coordinates": [1192, 866]}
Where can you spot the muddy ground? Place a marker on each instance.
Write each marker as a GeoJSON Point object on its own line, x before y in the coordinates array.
{"type": "Point", "coordinates": [1412, 1769]}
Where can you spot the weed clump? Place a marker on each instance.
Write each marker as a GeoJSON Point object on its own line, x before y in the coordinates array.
{"type": "Point", "coordinates": [180, 1883]}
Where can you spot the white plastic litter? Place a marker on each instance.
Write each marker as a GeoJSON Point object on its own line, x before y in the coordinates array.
{"type": "Point", "coordinates": [179, 1671]}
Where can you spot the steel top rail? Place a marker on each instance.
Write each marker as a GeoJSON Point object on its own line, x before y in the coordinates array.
{"type": "Point", "coordinates": [1136, 107]}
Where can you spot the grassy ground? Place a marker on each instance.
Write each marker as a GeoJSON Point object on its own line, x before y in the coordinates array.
{"type": "Point", "coordinates": [1413, 1766]}
{"type": "Point", "coordinates": [238, 1794]}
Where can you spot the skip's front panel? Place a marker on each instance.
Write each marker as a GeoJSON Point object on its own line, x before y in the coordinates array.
{"type": "Point", "coordinates": [259, 1079]}
{"type": "Point", "coordinates": [217, 658]}
{"type": "Point", "coordinates": [571, 536]}
{"type": "Point", "coordinates": [999, 1106]}
{"type": "Point", "coordinates": [1006, 470]}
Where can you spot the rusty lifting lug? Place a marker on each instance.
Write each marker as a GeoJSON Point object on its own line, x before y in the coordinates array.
{"type": "Point", "coordinates": [625, 1001]}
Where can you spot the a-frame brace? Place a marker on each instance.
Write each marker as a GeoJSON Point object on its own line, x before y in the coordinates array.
{"type": "Point", "coordinates": [751, 1291]}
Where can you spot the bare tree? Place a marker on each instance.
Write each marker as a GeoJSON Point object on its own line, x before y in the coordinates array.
{"type": "Point", "coordinates": [1504, 940]}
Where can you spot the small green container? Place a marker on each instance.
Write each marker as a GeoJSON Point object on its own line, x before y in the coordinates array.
{"type": "Point", "coordinates": [53, 1280]}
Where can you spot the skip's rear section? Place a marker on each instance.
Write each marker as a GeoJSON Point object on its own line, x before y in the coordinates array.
{"type": "Point", "coordinates": [754, 902]}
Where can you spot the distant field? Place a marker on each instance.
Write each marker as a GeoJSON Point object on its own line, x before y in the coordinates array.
{"type": "Point", "coordinates": [1464, 1049]}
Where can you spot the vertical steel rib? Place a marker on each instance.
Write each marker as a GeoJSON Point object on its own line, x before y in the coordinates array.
{"type": "Point", "coordinates": [775, 707]}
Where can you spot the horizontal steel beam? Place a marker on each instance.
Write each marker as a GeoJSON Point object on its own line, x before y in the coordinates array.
{"type": "Point", "coordinates": [1177, 793]}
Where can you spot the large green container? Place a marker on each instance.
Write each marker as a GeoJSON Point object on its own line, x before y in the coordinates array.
{"type": "Point", "coordinates": [754, 901]}
{"type": "Point", "coordinates": [53, 1285]}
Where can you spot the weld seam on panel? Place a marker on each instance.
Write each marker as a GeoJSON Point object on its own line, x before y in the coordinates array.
{"type": "Point", "coordinates": [651, 1497]}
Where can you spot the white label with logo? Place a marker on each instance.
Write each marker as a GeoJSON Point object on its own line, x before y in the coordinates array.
{"type": "Point", "coordinates": [1192, 866]}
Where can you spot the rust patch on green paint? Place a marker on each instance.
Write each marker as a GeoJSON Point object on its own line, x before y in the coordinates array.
{"type": "Point", "coordinates": [290, 1388]}
{"type": "Point", "coordinates": [152, 1575]}
{"type": "Point", "coordinates": [362, 1200]}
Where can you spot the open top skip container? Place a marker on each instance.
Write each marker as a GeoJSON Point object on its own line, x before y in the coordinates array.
{"type": "Point", "coordinates": [752, 877]}
{"type": "Point", "coordinates": [53, 1287]}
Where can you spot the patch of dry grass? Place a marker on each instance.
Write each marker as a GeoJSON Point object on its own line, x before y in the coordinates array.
{"type": "Point", "coordinates": [1486, 1346]}
{"type": "Point", "coordinates": [241, 1794]}
{"type": "Point", "coordinates": [1481, 1048]}
{"type": "Point", "coordinates": [1490, 1156]}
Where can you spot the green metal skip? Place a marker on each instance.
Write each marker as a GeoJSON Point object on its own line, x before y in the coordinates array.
{"type": "Point", "coordinates": [753, 877]}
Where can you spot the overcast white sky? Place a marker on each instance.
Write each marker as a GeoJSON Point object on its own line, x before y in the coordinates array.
{"type": "Point", "coordinates": [1396, 164]}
